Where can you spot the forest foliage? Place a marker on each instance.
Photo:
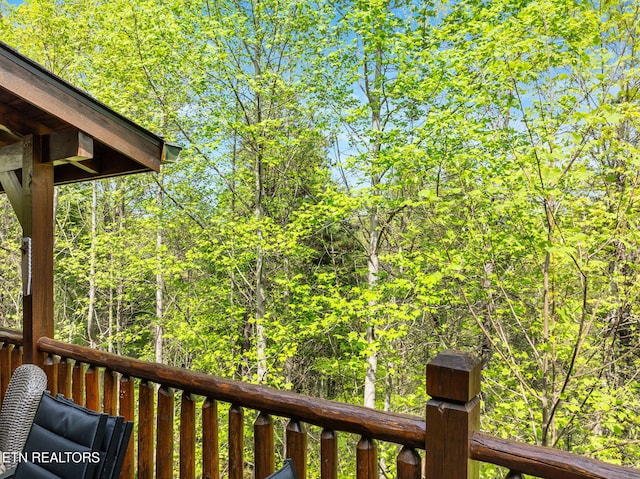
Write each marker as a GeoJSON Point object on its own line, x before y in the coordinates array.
{"type": "Point", "coordinates": [362, 185]}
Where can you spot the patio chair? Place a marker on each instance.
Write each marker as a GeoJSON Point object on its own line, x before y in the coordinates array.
{"type": "Point", "coordinates": [19, 406]}
{"type": "Point", "coordinates": [64, 442]}
{"type": "Point", "coordinates": [287, 471]}
{"type": "Point", "coordinates": [113, 447]}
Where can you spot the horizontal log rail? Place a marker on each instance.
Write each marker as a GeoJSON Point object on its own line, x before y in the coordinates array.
{"type": "Point", "coordinates": [11, 336]}
{"type": "Point", "coordinates": [544, 462]}
{"type": "Point", "coordinates": [10, 356]}
{"type": "Point", "coordinates": [397, 428]}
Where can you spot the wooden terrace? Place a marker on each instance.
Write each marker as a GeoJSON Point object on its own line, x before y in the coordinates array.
{"type": "Point", "coordinates": [51, 133]}
{"type": "Point", "coordinates": [444, 444]}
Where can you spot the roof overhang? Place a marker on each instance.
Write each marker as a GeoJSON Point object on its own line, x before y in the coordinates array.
{"type": "Point", "coordinates": [81, 137]}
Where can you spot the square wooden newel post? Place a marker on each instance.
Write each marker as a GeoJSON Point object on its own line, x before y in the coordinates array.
{"type": "Point", "coordinates": [453, 413]}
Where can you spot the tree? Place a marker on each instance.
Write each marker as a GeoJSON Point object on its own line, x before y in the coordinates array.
{"type": "Point", "coordinates": [531, 181]}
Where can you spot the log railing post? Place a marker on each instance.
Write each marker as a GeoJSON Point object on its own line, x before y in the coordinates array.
{"type": "Point", "coordinates": [328, 454]}
{"type": "Point", "coordinates": [146, 426]}
{"type": "Point", "coordinates": [453, 413]}
{"type": "Point", "coordinates": [5, 368]}
{"type": "Point", "coordinates": [164, 433]}
{"type": "Point", "coordinates": [263, 445]}
{"type": "Point", "coordinates": [127, 410]}
{"type": "Point", "coordinates": [236, 442]}
{"type": "Point", "coordinates": [296, 447]}
{"type": "Point", "coordinates": [210, 441]}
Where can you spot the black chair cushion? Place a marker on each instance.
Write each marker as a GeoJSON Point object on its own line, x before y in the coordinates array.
{"type": "Point", "coordinates": [64, 441]}
{"type": "Point", "coordinates": [285, 472]}
{"type": "Point", "coordinates": [112, 469]}
{"type": "Point", "coordinates": [114, 445]}
{"type": "Point", "coordinates": [113, 431]}
{"type": "Point", "coordinates": [69, 420]}
{"type": "Point", "coordinates": [109, 446]}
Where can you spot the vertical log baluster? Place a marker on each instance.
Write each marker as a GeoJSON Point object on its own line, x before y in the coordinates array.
{"type": "Point", "coordinates": [409, 464]}
{"type": "Point", "coordinates": [296, 447]}
{"type": "Point", "coordinates": [210, 446]}
{"type": "Point", "coordinates": [64, 377]}
{"type": "Point", "coordinates": [145, 430]}
{"type": "Point", "coordinates": [164, 432]}
{"type": "Point", "coordinates": [92, 390]}
{"type": "Point", "coordinates": [110, 392]}
{"type": "Point", "coordinates": [50, 367]}
{"type": "Point", "coordinates": [453, 413]}
{"type": "Point", "coordinates": [16, 357]}
{"type": "Point", "coordinates": [187, 437]}
{"type": "Point", "coordinates": [328, 454]}
{"type": "Point", "coordinates": [236, 442]}
{"type": "Point", "coordinates": [78, 383]}
{"type": "Point", "coordinates": [263, 445]}
{"type": "Point", "coordinates": [127, 410]}
{"type": "Point", "coordinates": [367, 459]}
{"type": "Point", "coordinates": [5, 368]}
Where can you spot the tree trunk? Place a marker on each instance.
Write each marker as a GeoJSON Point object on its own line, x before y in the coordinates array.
{"type": "Point", "coordinates": [373, 261]}
{"type": "Point", "coordinates": [486, 350]}
{"type": "Point", "coordinates": [158, 329]}
{"type": "Point", "coordinates": [259, 213]}
{"type": "Point", "coordinates": [548, 354]}
{"type": "Point", "coordinates": [261, 342]}
{"type": "Point", "coordinates": [91, 326]}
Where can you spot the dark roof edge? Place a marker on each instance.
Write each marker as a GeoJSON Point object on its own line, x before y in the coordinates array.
{"type": "Point", "coordinates": [61, 84]}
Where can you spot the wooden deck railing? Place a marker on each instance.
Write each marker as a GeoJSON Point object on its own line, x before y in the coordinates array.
{"type": "Point", "coordinates": [145, 392]}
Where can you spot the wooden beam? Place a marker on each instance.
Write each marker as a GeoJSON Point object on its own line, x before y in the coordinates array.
{"type": "Point", "coordinates": [7, 136]}
{"type": "Point", "coordinates": [27, 80]}
{"type": "Point", "coordinates": [17, 121]}
{"type": "Point", "coordinates": [37, 227]}
{"type": "Point", "coordinates": [71, 146]}
{"type": "Point", "coordinates": [106, 164]}
{"type": "Point", "coordinates": [91, 167]}
{"type": "Point", "coordinates": [11, 157]}
{"type": "Point", "coordinates": [13, 188]}
{"type": "Point", "coordinates": [68, 145]}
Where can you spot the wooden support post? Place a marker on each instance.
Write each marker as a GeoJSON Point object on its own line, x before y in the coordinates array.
{"type": "Point", "coordinates": [110, 392]}
{"type": "Point", "coordinates": [92, 388]}
{"type": "Point", "coordinates": [127, 409]}
{"type": "Point", "coordinates": [367, 459]}
{"type": "Point", "coordinates": [78, 383]}
{"type": "Point", "coordinates": [5, 368]}
{"type": "Point", "coordinates": [328, 454]}
{"type": "Point", "coordinates": [210, 442]}
{"type": "Point", "coordinates": [164, 433]}
{"type": "Point", "coordinates": [453, 413]}
{"type": "Point", "coordinates": [37, 248]}
{"type": "Point", "coordinates": [296, 447]}
{"type": "Point", "coordinates": [64, 377]}
{"type": "Point", "coordinates": [187, 437]}
{"type": "Point", "coordinates": [263, 445]}
{"type": "Point", "coordinates": [409, 464]}
{"type": "Point", "coordinates": [236, 442]}
{"type": "Point", "coordinates": [146, 430]}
